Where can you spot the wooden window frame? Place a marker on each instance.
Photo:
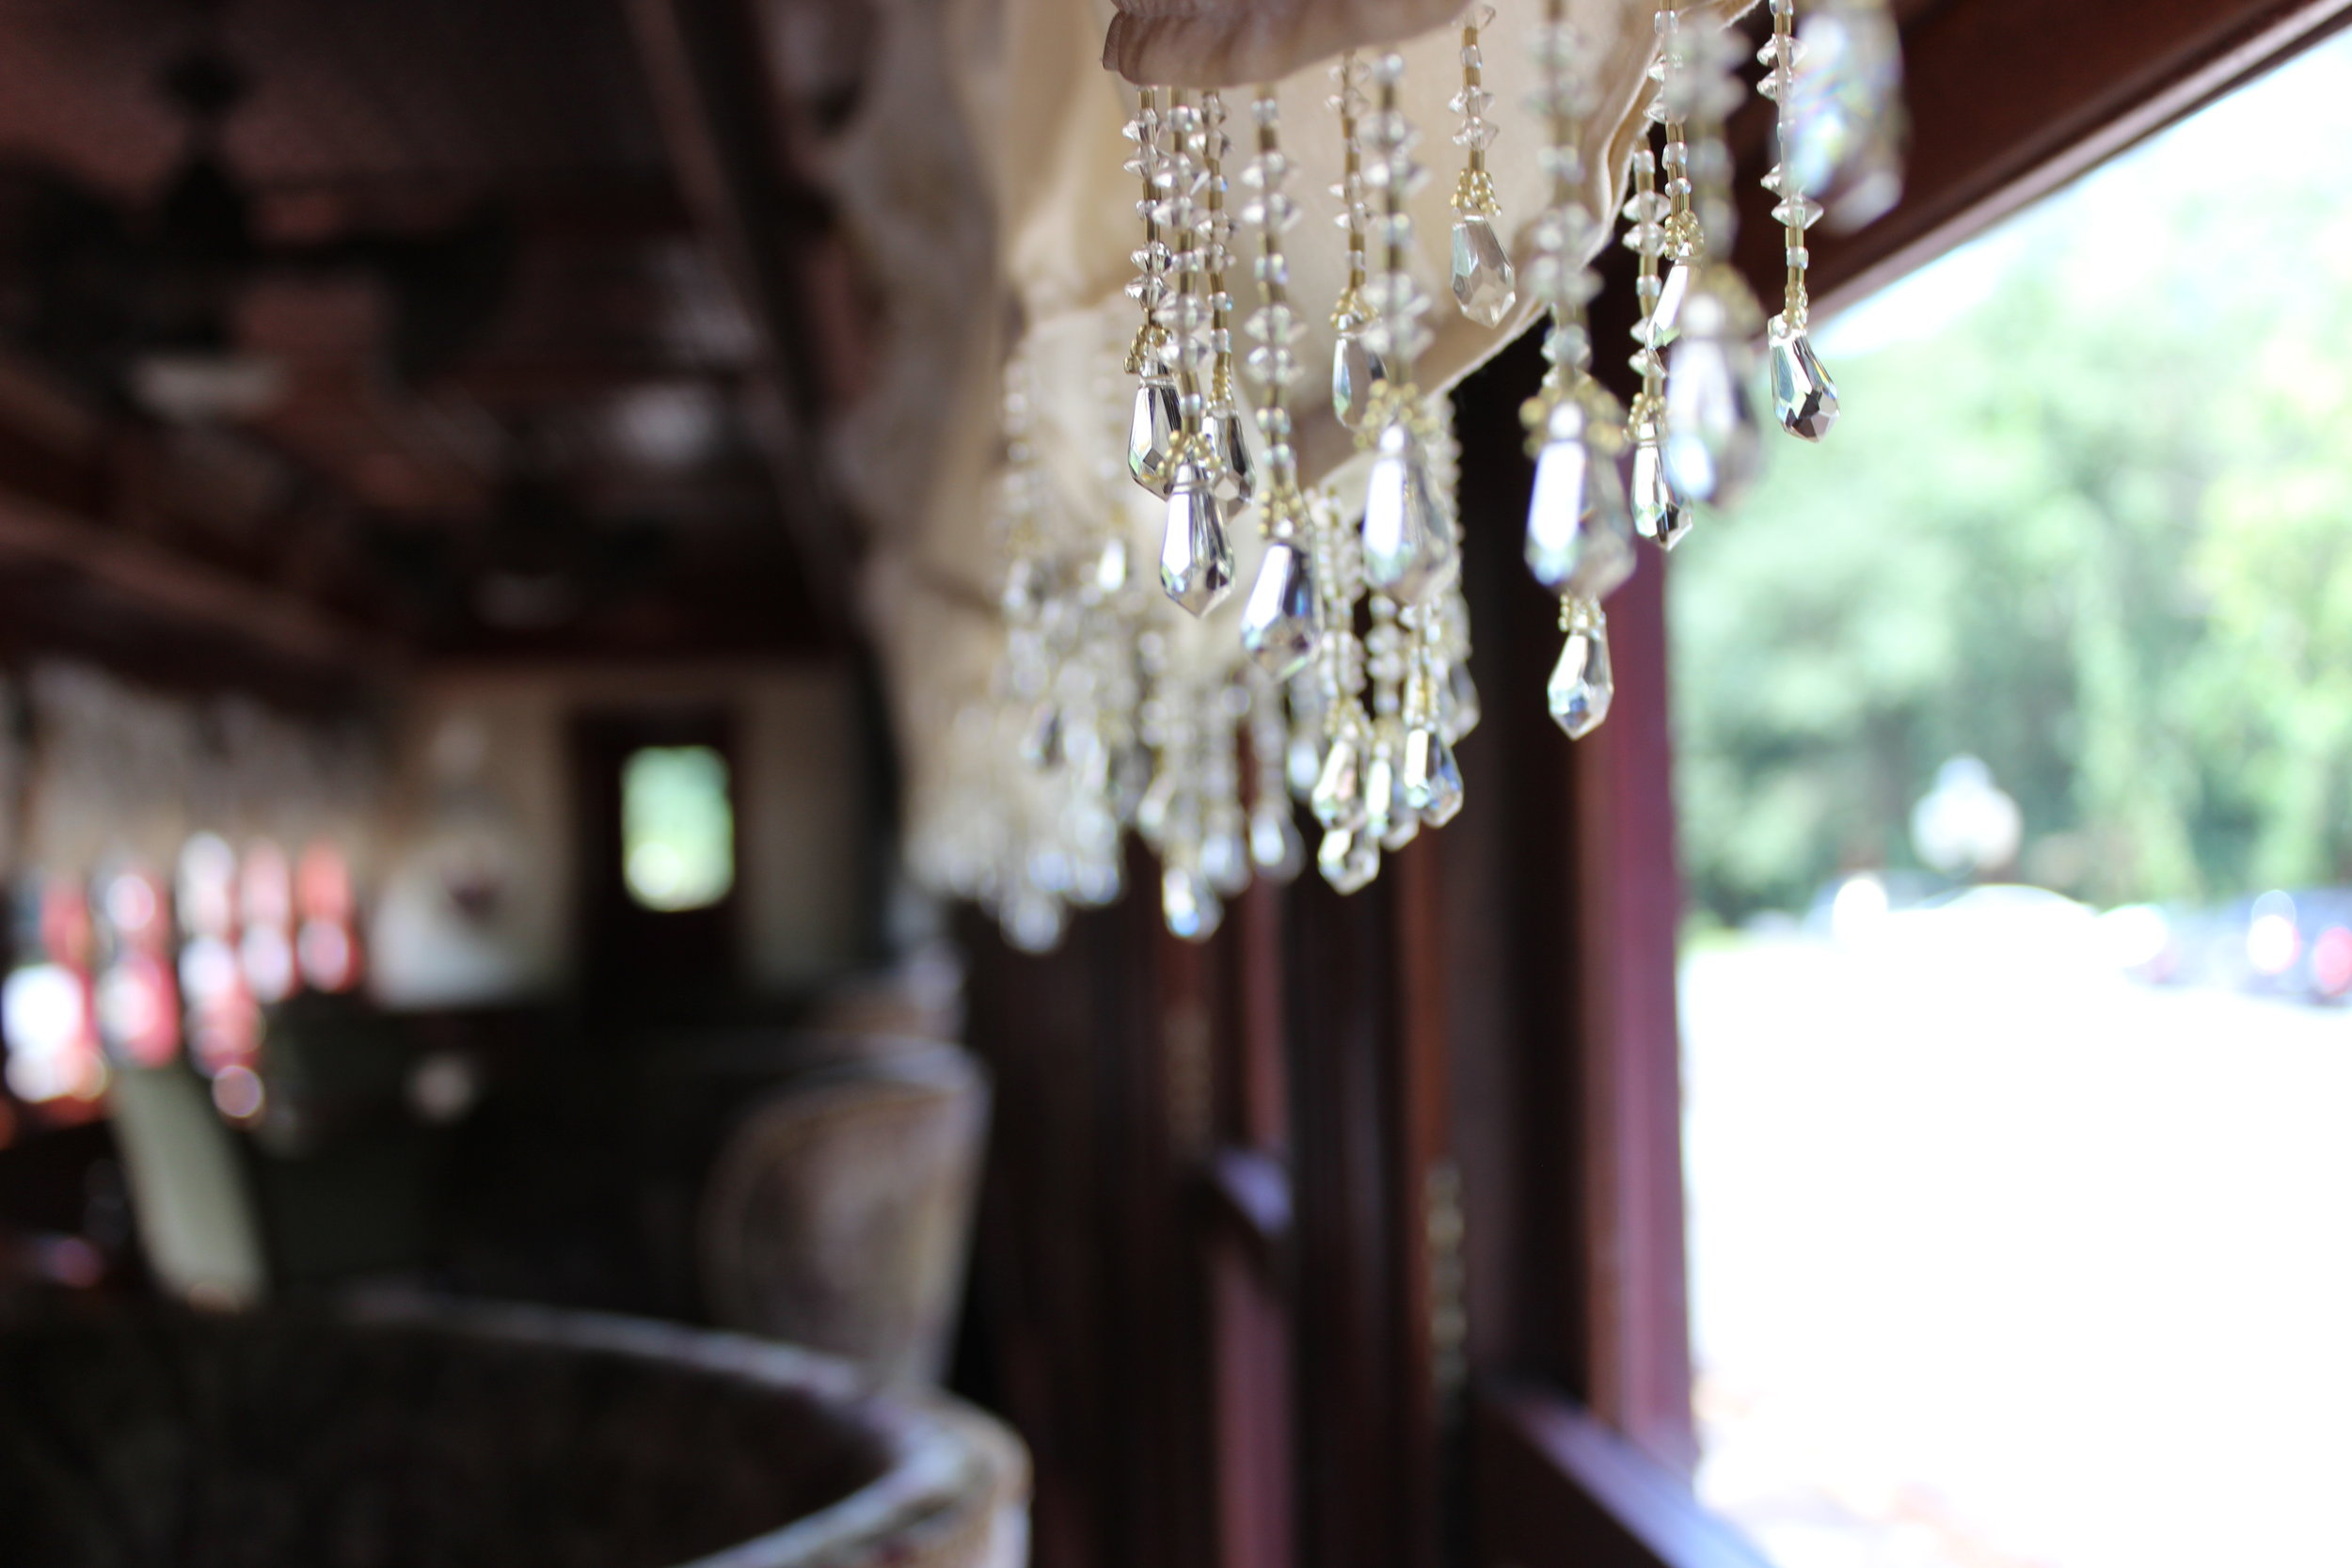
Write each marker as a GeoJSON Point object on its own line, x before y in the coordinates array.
{"type": "Point", "coordinates": [2010, 99]}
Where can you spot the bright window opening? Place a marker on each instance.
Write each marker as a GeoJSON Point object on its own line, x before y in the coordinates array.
{"type": "Point", "coordinates": [678, 828]}
{"type": "Point", "coordinates": [2014, 749]}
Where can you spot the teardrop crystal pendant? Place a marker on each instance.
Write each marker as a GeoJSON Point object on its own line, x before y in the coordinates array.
{"type": "Point", "coordinates": [1404, 824]}
{"type": "Point", "coordinates": [1485, 285]}
{"type": "Point", "coordinates": [1804, 396]}
{"type": "Point", "coordinates": [1664, 322]}
{"type": "Point", "coordinates": [1338, 799]}
{"type": "Point", "coordinates": [1387, 817]}
{"type": "Point", "coordinates": [1276, 846]}
{"type": "Point", "coordinates": [1152, 433]}
{"type": "Point", "coordinates": [1225, 851]}
{"type": "Point", "coordinates": [1846, 119]}
{"type": "Point", "coordinates": [1660, 512]}
{"type": "Point", "coordinates": [1408, 547]}
{"type": "Point", "coordinates": [1196, 559]}
{"type": "Point", "coordinates": [1191, 909]}
{"type": "Point", "coordinates": [1302, 763]}
{"type": "Point", "coordinates": [1583, 683]}
{"type": "Point", "coordinates": [1580, 527]}
{"type": "Point", "coordinates": [1032, 921]}
{"type": "Point", "coordinates": [1458, 708]}
{"type": "Point", "coordinates": [1431, 781]}
{"type": "Point", "coordinates": [1236, 474]}
{"type": "Point", "coordinates": [1355, 371]}
{"type": "Point", "coordinates": [1283, 618]}
{"type": "Point", "coordinates": [1713, 449]}
{"type": "Point", "coordinates": [1349, 859]}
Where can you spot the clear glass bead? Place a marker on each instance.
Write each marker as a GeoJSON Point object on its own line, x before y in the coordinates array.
{"type": "Point", "coordinates": [1282, 619]}
{"type": "Point", "coordinates": [1355, 371]}
{"type": "Point", "coordinates": [1225, 851]}
{"type": "Point", "coordinates": [1196, 558]}
{"type": "Point", "coordinates": [1409, 545]}
{"type": "Point", "coordinates": [1845, 126]}
{"type": "Point", "coordinates": [1580, 524]}
{"type": "Point", "coordinates": [1659, 512]}
{"type": "Point", "coordinates": [1713, 447]}
{"type": "Point", "coordinates": [1485, 285]}
{"type": "Point", "coordinates": [1431, 780]}
{"type": "Point", "coordinates": [1804, 396]}
{"type": "Point", "coordinates": [1276, 846]}
{"type": "Point", "coordinates": [1385, 809]}
{"type": "Point", "coordinates": [1152, 433]}
{"type": "Point", "coordinates": [1032, 920]}
{"type": "Point", "coordinates": [1190, 907]}
{"type": "Point", "coordinates": [1302, 763]}
{"type": "Point", "coordinates": [1338, 799]}
{"type": "Point", "coordinates": [1583, 683]}
{"type": "Point", "coordinates": [1349, 859]}
{"type": "Point", "coordinates": [1663, 321]}
{"type": "Point", "coordinates": [1237, 472]}
{"type": "Point", "coordinates": [1458, 707]}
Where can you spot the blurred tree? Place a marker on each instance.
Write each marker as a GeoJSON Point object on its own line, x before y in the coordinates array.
{"type": "Point", "coordinates": [2087, 517]}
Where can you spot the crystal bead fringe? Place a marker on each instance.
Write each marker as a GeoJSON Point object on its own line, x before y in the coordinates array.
{"type": "Point", "coordinates": [1579, 533]}
{"type": "Point", "coordinates": [1484, 285]}
{"type": "Point", "coordinates": [1803, 397]}
{"type": "Point", "coordinates": [1283, 617]}
{"type": "Point", "coordinates": [1710, 447]}
{"type": "Point", "coordinates": [1354, 370]}
{"type": "Point", "coordinates": [1151, 428]}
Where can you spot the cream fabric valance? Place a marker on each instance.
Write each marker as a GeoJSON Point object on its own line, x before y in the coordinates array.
{"type": "Point", "coordinates": [985, 183]}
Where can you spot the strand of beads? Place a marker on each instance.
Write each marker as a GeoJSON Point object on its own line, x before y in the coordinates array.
{"type": "Point", "coordinates": [1282, 619]}
{"type": "Point", "coordinates": [1228, 452]}
{"type": "Point", "coordinates": [1354, 369]}
{"type": "Point", "coordinates": [1579, 526]}
{"type": "Point", "coordinates": [1438, 704]}
{"type": "Point", "coordinates": [1196, 557]}
{"type": "Point", "coordinates": [1844, 140]}
{"type": "Point", "coordinates": [1713, 447]}
{"type": "Point", "coordinates": [1275, 846]}
{"type": "Point", "coordinates": [1348, 856]}
{"type": "Point", "coordinates": [1029, 876]}
{"type": "Point", "coordinates": [1151, 428]}
{"type": "Point", "coordinates": [1659, 513]}
{"type": "Point", "coordinates": [1659, 228]}
{"type": "Point", "coordinates": [1409, 538]}
{"type": "Point", "coordinates": [1803, 397]}
{"type": "Point", "coordinates": [1408, 547]}
{"type": "Point", "coordinates": [1484, 286]}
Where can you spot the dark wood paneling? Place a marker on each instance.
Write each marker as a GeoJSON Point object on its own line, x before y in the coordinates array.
{"type": "Point", "coordinates": [1352, 1468]}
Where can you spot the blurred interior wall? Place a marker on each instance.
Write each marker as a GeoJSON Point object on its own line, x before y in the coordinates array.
{"type": "Point", "coordinates": [480, 892]}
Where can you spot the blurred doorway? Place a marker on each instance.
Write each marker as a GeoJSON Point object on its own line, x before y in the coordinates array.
{"type": "Point", "coordinates": [656, 797]}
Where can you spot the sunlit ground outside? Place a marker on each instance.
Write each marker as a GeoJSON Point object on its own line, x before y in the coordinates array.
{"type": "Point", "coordinates": [2001, 1256]}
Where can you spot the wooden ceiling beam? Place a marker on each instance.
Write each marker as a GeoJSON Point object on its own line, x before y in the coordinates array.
{"type": "Point", "coordinates": [101, 507]}
{"type": "Point", "coordinates": [196, 594]}
{"type": "Point", "coordinates": [721, 127]}
{"type": "Point", "coordinates": [2011, 98]}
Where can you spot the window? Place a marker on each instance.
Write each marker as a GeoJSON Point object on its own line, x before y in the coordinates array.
{"type": "Point", "coordinates": [678, 828]}
{"type": "Point", "coordinates": [47, 1012]}
{"type": "Point", "coordinates": [2014, 742]}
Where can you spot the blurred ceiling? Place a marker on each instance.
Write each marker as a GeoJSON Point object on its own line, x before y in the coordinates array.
{"type": "Point", "coordinates": [505, 350]}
